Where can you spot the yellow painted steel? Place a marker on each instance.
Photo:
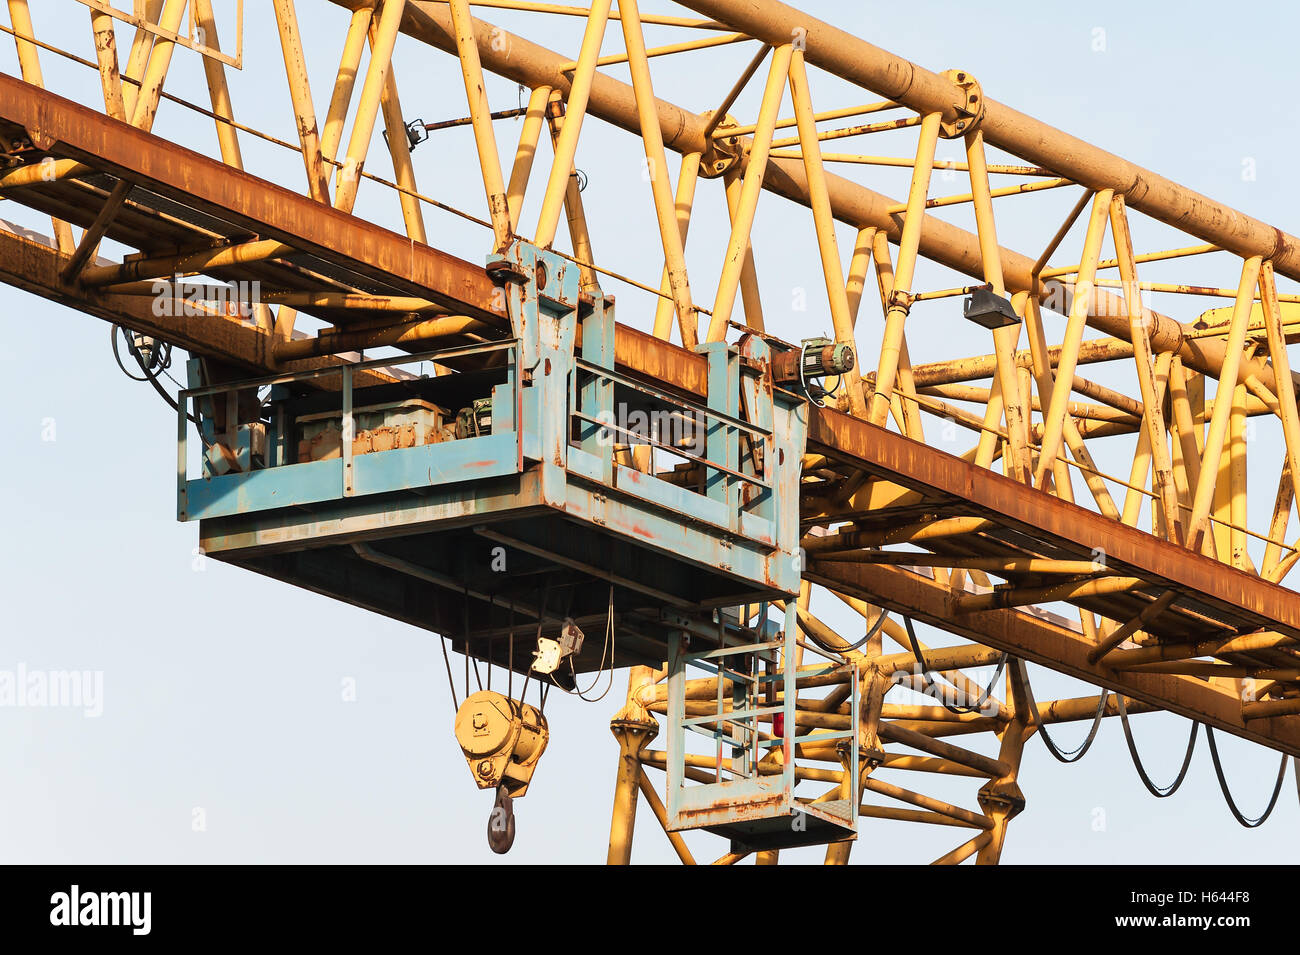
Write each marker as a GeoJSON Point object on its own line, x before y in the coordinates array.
{"type": "Point", "coordinates": [849, 514]}
{"type": "Point", "coordinates": [480, 115]}
{"type": "Point", "coordinates": [825, 227]}
{"type": "Point", "coordinates": [575, 112]}
{"type": "Point", "coordinates": [737, 248]}
{"type": "Point", "coordinates": [908, 246]}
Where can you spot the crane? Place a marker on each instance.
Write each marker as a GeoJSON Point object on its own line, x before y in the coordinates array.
{"type": "Point", "coordinates": [459, 428]}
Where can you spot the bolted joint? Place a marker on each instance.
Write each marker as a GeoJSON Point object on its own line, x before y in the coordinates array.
{"type": "Point", "coordinates": [968, 108]}
{"type": "Point", "coordinates": [721, 152]}
{"type": "Point", "coordinates": [1001, 797]}
{"type": "Point", "coordinates": [633, 735]}
{"type": "Point", "coordinates": [901, 300]}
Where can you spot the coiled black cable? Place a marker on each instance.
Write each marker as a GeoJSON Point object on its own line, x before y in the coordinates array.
{"type": "Point", "coordinates": [931, 688]}
{"type": "Point", "coordinates": [158, 364]}
{"type": "Point", "coordinates": [1076, 754]}
{"type": "Point", "coordinates": [1160, 792]}
{"type": "Point", "coordinates": [1227, 794]}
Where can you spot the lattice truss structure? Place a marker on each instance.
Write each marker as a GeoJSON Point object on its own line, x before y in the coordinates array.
{"type": "Point", "coordinates": [1089, 412]}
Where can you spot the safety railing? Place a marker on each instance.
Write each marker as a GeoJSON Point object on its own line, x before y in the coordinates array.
{"type": "Point", "coordinates": [248, 465]}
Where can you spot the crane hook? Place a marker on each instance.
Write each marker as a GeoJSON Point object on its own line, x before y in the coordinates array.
{"type": "Point", "coordinates": [501, 823]}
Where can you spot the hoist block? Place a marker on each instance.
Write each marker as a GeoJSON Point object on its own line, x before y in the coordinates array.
{"type": "Point", "coordinates": [502, 740]}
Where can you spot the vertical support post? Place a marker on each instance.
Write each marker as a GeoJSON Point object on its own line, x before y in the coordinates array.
{"type": "Point", "coordinates": [146, 104]}
{"type": "Point", "coordinates": [1187, 427]}
{"type": "Point", "coordinates": [1001, 799]}
{"type": "Point", "coordinates": [29, 63]}
{"type": "Point", "coordinates": [908, 246]}
{"type": "Point", "coordinates": [859, 265]}
{"type": "Point", "coordinates": [480, 114]}
{"type": "Point", "coordinates": [684, 200]}
{"type": "Point", "coordinates": [1281, 371]}
{"type": "Point", "coordinates": [566, 148]}
{"type": "Point", "coordinates": [349, 431]}
{"type": "Point", "coordinates": [1237, 478]}
{"type": "Point", "coordinates": [1281, 517]}
{"type": "Point", "coordinates": [218, 90]}
{"type": "Point", "coordinates": [363, 125]}
{"type": "Point", "coordinates": [1223, 402]}
{"type": "Point", "coordinates": [824, 222]}
{"type": "Point", "coordinates": [756, 166]}
{"type": "Point", "coordinates": [1152, 402]}
{"type": "Point", "coordinates": [390, 104]}
{"type": "Point", "coordinates": [526, 152]}
{"type": "Point", "coordinates": [908, 415]}
{"type": "Point", "coordinates": [751, 300]}
{"type": "Point", "coordinates": [345, 82]}
{"type": "Point", "coordinates": [575, 214]}
{"type": "Point", "coordinates": [1006, 338]}
{"type": "Point", "coordinates": [789, 730]}
{"type": "Point", "coordinates": [634, 728]}
{"type": "Point", "coordinates": [1055, 412]}
{"type": "Point", "coordinates": [138, 58]}
{"type": "Point", "coordinates": [295, 67]}
{"type": "Point", "coordinates": [722, 441]}
{"type": "Point", "coordinates": [657, 167]}
{"type": "Point", "coordinates": [106, 55]}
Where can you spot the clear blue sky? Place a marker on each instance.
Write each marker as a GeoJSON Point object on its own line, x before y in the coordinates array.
{"type": "Point", "coordinates": [222, 689]}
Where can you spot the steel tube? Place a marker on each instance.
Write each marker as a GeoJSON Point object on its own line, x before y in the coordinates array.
{"type": "Point", "coordinates": [905, 82]}
{"type": "Point", "coordinates": [612, 101]}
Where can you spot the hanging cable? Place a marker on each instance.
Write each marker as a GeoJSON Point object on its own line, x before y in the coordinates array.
{"type": "Point", "coordinates": [608, 648]}
{"type": "Point", "coordinates": [1160, 792]}
{"type": "Point", "coordinates": [469, 658]}
{"type": "Point", "coordinates": [875, 629]}
{"type": "Point", "coordinates": [1227, 794]}
{"type": "Point", "coordinates": [933, 690]}
{"type": "Point", "coordinates": [1076, 754]}
{"type": "Point", "coordinates": [152, 362]}
{"type": "Point", "coordinates": [451, 681]}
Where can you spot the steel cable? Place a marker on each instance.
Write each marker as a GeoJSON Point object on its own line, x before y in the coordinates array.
{"type": "Point", "coordinates": [931, 688]}
{"type": "Point", "coordinates": [1076, 754]}
{"type": "Point", "coordinates": [875, 629]}
{"type": "Point", "coordinates": [1160, 792]}
{"type": "Point", "coordinates": [1227, 794]}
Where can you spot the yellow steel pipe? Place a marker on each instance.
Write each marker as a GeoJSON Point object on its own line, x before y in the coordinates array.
{"type": "Point", "coordinates": [575, 111]}
{"type": "Point", "coordinates": [383, 38]}
{"type": "Point", "coordinates": [824, 223]}
{"type": "Point", "coordinates": [1024, 596]}
{"type": "Point", "coordinates": [737, 247]}
{"type": "Point", "coordinates": [670, 233]}
{"type": "Point", "coordinates": [529, 134]}
{"type": "Point", "coordinates": [1054, 419]}
{"type": "Point", "coordinates": [1214, 440]}
{"type": "Point", "coordinates": [480, 113]}
{"type": "Point", "coordinates": [908, 247]}
{"type": "Point", "coordinates": [295, 66]}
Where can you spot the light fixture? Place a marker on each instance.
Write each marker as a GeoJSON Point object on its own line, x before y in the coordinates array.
{"type": "Point", "coordinates": [988, 309]}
